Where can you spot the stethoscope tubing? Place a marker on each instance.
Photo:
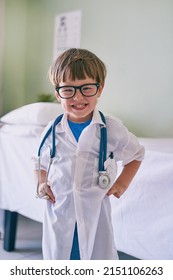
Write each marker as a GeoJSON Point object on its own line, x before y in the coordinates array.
{"type": "Point", "coordinates": [51, 130]}
{"type": "Point", "coordinates": [103, 144]}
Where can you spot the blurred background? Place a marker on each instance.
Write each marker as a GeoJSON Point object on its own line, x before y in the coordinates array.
{"type": "Point", "coordinates": [133, 37]}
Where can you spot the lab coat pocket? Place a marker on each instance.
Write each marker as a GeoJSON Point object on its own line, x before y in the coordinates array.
{"type": "Point", "coordinates": [110, 166]}
{"type": "Point", "coordinates": [111, 171]}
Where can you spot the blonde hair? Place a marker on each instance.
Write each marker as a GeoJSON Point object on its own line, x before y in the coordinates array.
{"type": "Point", "coordinates": [77, 64]}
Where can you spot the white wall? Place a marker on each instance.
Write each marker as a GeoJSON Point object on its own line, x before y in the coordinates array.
{"type": "Point", "coordinates": [135, 40]}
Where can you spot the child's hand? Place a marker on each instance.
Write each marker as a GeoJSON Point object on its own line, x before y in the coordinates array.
{"type": "Point", "coordinates": [117, 189]}
{"type": "Point", "coordinates": [46, 191]}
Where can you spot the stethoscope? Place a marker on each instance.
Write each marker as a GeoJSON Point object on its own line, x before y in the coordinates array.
{"type": "Point", "coordinates": [104, 179]}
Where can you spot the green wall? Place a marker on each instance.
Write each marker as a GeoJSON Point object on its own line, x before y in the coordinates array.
{"type": "Point", "coordinates": [134, 39]}
{"type": "Point", "coordinates": [28, 51]}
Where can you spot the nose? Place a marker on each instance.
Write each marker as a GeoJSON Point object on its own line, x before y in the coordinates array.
{"type": "Point", "coordinates": [78, 95]}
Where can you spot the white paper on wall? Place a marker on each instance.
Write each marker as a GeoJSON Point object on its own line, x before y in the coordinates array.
{"type": "Point", "coordinates": [67, 32]}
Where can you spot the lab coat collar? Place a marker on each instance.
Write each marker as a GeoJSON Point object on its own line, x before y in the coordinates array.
{"type": "Point", "coordinates": [62, 126]}
{"type": "Point", "coordinates": [97, 118]}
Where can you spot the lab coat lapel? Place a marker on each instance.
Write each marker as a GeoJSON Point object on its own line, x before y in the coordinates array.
{"type": "Point", "coordinates": [64, 127]}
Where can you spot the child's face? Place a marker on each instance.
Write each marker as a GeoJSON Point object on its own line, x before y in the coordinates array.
{"type": "Point", "coordinates": [79, 108]}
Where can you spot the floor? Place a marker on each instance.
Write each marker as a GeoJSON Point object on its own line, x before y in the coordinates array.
{"type": "Point", "coordinates": [28, 242]}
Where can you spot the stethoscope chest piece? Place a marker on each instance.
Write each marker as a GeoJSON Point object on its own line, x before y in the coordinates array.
{"type": "Point", "coordinates": [104, 181]}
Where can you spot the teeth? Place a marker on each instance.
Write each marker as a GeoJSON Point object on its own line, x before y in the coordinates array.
{"type": "Point", "coordinates": [79, 106]}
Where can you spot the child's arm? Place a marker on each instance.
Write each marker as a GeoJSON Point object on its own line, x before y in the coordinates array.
{"type": "Point", "coordinates": [125, 178]}
{"type": "Point", "coordinates": [42, 188]}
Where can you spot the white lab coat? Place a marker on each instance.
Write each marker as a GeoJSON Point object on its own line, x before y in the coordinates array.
{"type": "Point", "coordinates": [74, 181]}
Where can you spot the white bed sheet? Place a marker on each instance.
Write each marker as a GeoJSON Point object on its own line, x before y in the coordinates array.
{"type": "Point", "coordinates": [142, 217]}
{"type": "Point", "coordinates": [17, 183]}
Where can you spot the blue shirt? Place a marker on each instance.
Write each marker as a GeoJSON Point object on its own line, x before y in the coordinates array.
{"type": "Point", "coordinates": [77, 128]}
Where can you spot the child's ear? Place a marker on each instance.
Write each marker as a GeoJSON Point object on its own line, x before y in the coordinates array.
{"type": "Point", "coordinates": [57, 96]}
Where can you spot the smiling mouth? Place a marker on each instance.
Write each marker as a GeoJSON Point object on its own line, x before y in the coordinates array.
{"type": "Point", "coordinates": [79, 106]}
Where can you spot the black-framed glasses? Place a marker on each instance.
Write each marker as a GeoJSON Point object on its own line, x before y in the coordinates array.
{"type": "Point", "coordinates": [87, 90]}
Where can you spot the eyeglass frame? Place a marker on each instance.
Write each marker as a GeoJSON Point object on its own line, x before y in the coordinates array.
{"type": "Point", "coordinates": [57, 88]}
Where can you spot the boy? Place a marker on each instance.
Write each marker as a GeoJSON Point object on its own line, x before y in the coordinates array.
{"type": "Point", "coordinates": [77, 220]}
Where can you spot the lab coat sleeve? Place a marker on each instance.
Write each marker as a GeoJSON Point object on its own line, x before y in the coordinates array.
{"type": "Point", "coordinates": [124, 144]}
{"type": "Point", "coordinates": [45, 151]}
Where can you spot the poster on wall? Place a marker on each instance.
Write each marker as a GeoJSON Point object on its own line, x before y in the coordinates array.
{"type": "Point", "coordinates": [67, 32]}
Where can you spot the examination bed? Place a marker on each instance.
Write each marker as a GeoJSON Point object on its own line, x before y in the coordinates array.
{"type": "Point", "coordinates": [142, 217]}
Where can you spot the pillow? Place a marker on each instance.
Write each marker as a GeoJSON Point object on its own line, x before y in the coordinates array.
{"type": "Point", "coordinates": [40, 113]}
{"type": "Point", "coordinates": [22, 130]}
